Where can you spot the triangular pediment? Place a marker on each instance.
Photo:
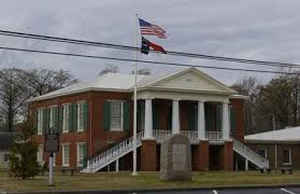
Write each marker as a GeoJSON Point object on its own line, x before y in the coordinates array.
{"type": "Point", "coordinates": [192, 79]}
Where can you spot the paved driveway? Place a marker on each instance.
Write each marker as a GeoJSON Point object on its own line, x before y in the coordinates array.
{"type": "Point", "coordinates": [289, 190]}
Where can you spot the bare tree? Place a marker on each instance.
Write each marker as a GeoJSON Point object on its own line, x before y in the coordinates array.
{"type": "Point", "coordinates": [44, 81]}
{"type": "Point", "coordinates": [109, 68]}
{"type": "Point", "coordinates": [13, 94]}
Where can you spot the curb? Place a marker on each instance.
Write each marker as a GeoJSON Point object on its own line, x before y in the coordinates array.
{"type": "Point", "coordinates": [121, 191]}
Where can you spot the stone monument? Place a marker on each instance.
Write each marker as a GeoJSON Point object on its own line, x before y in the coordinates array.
{"type": "Point", "coordinates": [175, 158]}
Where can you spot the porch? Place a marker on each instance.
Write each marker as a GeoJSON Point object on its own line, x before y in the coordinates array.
{"type": "Point", "coordinates": [199, 120]}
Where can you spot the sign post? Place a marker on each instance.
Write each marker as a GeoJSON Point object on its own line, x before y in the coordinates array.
{"type": "Point", "coordinates": [51, 146]}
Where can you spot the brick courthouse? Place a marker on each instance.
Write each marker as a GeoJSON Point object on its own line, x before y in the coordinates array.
{"type": "Point", "coordinates": [95, 120]}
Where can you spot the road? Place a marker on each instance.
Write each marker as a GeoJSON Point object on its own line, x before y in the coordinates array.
{"type": "Point", "coordinates": [288, 190]}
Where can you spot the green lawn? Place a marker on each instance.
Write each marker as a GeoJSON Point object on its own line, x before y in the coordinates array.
{"type": "Point", "coordinates": [144, 180]}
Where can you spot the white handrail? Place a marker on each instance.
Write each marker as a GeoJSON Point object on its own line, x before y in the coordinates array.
{"type": "Point", "coordinates": [250, 154]}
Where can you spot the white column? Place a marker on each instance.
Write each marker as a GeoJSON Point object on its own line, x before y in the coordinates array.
{"type": "Point", "coordinates": [225, 122]}
{"type": "Point", "coordinates": [117, 165]}
{"type": "Point", "coordinates": [201, 120]}
{"type": "Point", "coordinates": [148, 120]}
{"type": "Point", "coordinates": [175, 117]}
{"type": "Point", "coordinates": [246, 165]}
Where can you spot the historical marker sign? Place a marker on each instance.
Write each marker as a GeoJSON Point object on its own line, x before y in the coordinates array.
{"type": "Point", "coordinates": [51, 143]}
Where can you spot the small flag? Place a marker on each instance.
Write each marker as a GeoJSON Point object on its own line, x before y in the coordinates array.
{"type": "Point", "coordinates": [146, 45]}
{"type": "Point", "coordinates": [151, 29]}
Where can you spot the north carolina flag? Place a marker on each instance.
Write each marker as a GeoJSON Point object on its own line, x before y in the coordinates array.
{"type": "Point", "coordinates": [146, 45]}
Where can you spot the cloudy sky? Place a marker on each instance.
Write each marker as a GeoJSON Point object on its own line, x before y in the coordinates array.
{"type": "Point", "coordinates": [255, 29]}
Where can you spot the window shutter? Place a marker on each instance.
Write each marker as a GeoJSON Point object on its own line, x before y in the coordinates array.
{"type": "Point", "coordinates": [219, 117]}
{"type": "Point", "coordinates": [85, 115]}
{"type": "Point", "coordinates": [106, 115]}
{"type": "Point", "coordinates": [55, 118]}
{"type": "Point", "coordinates": [60, 118]}
{"type": "Point", "coordinates": [84, 149]}
{"type": "Point", "coordinates": [36, 120]}
{"type": "Point", "coordinates": [75, 117]}
{"type": "Point", "coordinates": [126, 116]}
{"type": "Point", "coordinates": [70, 119]}
{"type": "Point", "coordinates": [232, 119]}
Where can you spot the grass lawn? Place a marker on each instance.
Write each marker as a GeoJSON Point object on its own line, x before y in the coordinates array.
{"type": "Point", "coordinates": [144, 180]}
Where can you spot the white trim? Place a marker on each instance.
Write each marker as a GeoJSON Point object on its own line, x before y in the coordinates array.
{"type": "Point", "coordinates": [65, 163]}
{"type": "Point", "coordinates": [80, 120]}
{"type": "Point", "coordinates": [122, 115]}
{"type": "Point", "coordinates": [40, 122]}
{"type": "Point", "coordinates": [40, 154]}
{"type": "Point", "coordinates": [51, 122]}
{"type": "Point", "coordinates": [66, 118]}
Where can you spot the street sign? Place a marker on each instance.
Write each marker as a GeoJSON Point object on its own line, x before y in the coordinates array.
{"type": "Point", "coordinates": [51, 143]}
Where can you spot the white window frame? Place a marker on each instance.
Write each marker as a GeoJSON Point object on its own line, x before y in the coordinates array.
{"type": "Point", "coordinates": [65, 163]}
{"type": "Point", "coordinates": [40, 154]}
{"type": "Point", "coordinates": [40, 122]}
{"type": "Point", "coordinates": [80, 116]}
{"type": "Point", "coordinates": [290, 156]}
{"type": "Point", "coordinates": [51, 116]}
{"type": "Point", "coordinates": [80, 162]}
{"type": "Point", "coordinates": [66, 118]}
{"type": "Point", "coordinates": [122, 115]}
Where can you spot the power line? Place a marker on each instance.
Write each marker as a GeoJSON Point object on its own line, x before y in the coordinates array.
{"type": "Point", "coordinates": [140, 61]}
{"type": "Point", "coordinates": [131, 48]}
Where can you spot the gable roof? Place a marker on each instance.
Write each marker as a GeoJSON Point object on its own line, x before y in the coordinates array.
{"type": "Point", "coordinates": [117, 82]}
{"type": "Point", "coordinates": [282, 135]}
{"type": "Point", "coordinates": [182, 72]}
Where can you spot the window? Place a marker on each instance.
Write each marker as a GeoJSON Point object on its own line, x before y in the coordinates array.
{"type": "Point", "coordinates": [6, 157]}
{"type": "Point", "coordinates": [263, 152]}
{"type": "Point", "coordinates": [82, 115]}
{"type": "Point", "coordinates": [40, 121]}
{"type": "Point", "coordinates": [287, 156]}
{"type": "Point", "coordinates": [53, 117]}
{"type": "Point", "coordinates": [66, 154]}
{"type": "Point", "coordinates": [66, 110]}
{"type": "Point", "coordinates": [116, 110]}
{"type": "Point", "coordinates": [81, 154]}
{"type": "Point", "coordinates": [40, 153]}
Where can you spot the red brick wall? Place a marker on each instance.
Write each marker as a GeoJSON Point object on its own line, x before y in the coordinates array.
{"type": "Point", "coordinates": [95, 136]}
{"type": "Point", "coordinates": [238, 105]}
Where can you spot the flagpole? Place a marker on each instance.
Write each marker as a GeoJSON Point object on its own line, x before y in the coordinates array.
{"type": "Point", "coordinates": [134, 170]}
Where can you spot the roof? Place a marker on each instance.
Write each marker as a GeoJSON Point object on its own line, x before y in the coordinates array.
{"type": "Point", "coordinates": [6, 140]}
{"type": "Point", "coordinates": [116, 82]}
{"type": "Point", "coordinates": [282, 135]}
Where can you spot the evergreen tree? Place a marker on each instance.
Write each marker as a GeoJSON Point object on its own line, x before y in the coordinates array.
{"type": "Point", "coordinates": [22, 158]}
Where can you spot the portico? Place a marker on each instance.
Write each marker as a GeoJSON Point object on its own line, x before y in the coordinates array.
{"type": "Point", "coordinates": [190, 103]}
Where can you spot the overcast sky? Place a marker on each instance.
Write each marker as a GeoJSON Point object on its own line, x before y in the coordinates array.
{"type": "Point", "coordinates": [255, 29]}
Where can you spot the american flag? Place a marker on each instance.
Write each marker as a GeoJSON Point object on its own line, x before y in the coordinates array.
{"type": "Point", "coordinates": [151, 29]}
